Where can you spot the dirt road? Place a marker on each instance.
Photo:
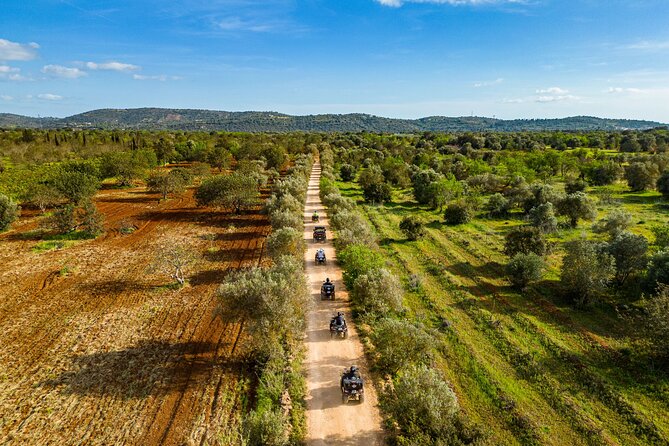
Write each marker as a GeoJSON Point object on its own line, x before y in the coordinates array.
{"type": "Point", "coordinates": [330, 421]}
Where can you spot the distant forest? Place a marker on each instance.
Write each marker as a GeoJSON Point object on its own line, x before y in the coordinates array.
{"type": "Point", "coordinates": [210, 120]}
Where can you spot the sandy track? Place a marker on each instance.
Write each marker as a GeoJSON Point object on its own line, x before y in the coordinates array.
{"type": "Point", "coordinates": [329, 421]}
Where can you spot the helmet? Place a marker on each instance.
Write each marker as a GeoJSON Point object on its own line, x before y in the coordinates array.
{"type": "Point", "coordinates": [339, 313]}
{"type": "Point", "coordinates": [327, 280]}
{"type": "Point", "coordinates": [354, 369]}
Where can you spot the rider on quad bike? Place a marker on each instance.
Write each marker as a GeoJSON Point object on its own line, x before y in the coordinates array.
{"type": "Point", "coordinates": [338, 325]}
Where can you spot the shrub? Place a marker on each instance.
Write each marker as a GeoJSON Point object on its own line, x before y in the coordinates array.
{"type": "Point", "coordinates": [400, 343]}
{"type": "Point", "coordinates": [62, 220]}
{"type": "Point", "coordinates": [412, 227]}
{"type": "Point", "coordinates": [356, 260]}
{"type": "Point", "coordinates": [525, 240]}
{"type": "Point", "coordinates": [285, 219]}
{"type": "Point", "coordinates": [422, 403]}
{"type": "Point", "coordinates": [347, 172]}
{"type": "Point", "coordinates": [421, 181]}
{"type": "Point", "coordinates": [586, 270]}
{"type": "Point", "coordinates": [266, 427]}
{"type": "Point", "coordinates": [76, 187]}
{"type": "Point", "coordinates": [543, 218]}
{"type": "Point", "coordinates": [377, 291]}
{"type": "Point", "coordinates": [656, 321]}
{"type": "Point", "coordinates": [616, 222]}
{"type": "Point", "coordinates": [540, 193]}
{"type": "Point", "coordinates": [458, 213]}
{"type": "Point", "coordinates": [641, 176]}
{"type": "Point", "coordinates": [498, 205]}
{"type": "Point", "coordinates": [43, 196]}
{"type": "Point", "coordinates": [377, 193]}
{"type": "Point", "coordinates": [91, 220]}
{"type": "Point", "coordinates": [658, 270]}
{"type": "Point", "coordinates": [662, 184]}
{"type": "Point", "coordinates": [9, 212]}
{"type": "Point", "coordinates": [525, 268]}
{"type": "Point", "coordinates": [285, 241]}
{"type": "Point", "coordinates": [337, 203]}
{"type": "Point", "coordinates": [661, 233]}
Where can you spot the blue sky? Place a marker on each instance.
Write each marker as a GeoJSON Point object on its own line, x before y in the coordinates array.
{"type": "Point", "coordinates": [396, 58]}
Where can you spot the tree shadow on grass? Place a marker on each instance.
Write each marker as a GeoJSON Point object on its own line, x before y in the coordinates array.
{"type": "Point", "coordinates": [146, 369]}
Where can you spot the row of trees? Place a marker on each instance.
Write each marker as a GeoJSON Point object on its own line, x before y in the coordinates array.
{"type": "Point", "coordinates": [419, 401]}
{"type": "Point", "coordinates": [271, 301]}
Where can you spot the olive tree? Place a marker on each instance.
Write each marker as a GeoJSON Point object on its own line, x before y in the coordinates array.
{"type": "Point", "coordinates": [658, 270]}
{"type": "Point", "coordinates": [586, 270]}
{"type": "Point", "coordinates": [236, 191]}
{"type": "Point", "coordinates": [458, 212]}
{"type": "Point", "coordinates": [525, 240]}
{"type": "Point", "coordinates": [523, 269]}
{"type": "Point", "coordinates": [285, 241]}
{"type": "Point", "coordinates": [422, 403]}
{"type": "Point", "coordinates": [412, 227]}
{"type": "Point", "coordinates": [166, 183]}
{"type": "Point", "coordinates": [543, 218]}
{"type": "Point", "coordinates": [400, 343]}
{"type": "Point", "coordinates": [577, 206]}
{"type": "Point", "coordinates": [377, 292]}
{"type": "Point", "coordinates": [630, 254]}
{"type": "Point", "coordinates": [662, 184]}
{"type": "Point", "coordinates": [641, 176]}
{"type": "Point", "coordinates": [172, 258]}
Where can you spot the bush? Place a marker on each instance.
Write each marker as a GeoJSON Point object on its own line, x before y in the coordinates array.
{"type": "Point", "coordinates": [616, 222]}
{"type": "Point", "coordinates": [540, 193]}
{"type": "Point", "coordinates": [285, 219]}
{"type": "Point", "coordinates": [458, 213]}
{"type": "Point", "coordinates": [377, 292]}
{"type": "Point", "coordinates": [641, 176]}
{"type": "Point", "coordinates": [543, 218]}
{"type": "Point", "coordinates": [356, 260]}
{"type": "Point", "coordinates": [399, 343]}
{"type": "Point", "coordinates": [498, 205]}
{"type": "Point", "coordinates": [662, 184]}
{"type": "Point", "coordinates": [266, 428]}
{"type": "Point", "coordinates": [658, 270]}
{"type": "Point", "coordinates": [347, 172]}
{"type": "Point", "coordinates": [422, 403]}
{"type": "Point", "coordinates": [377, 193]}
{"type": "Point", "coordinates": [9, 212]}
{"type": "Point", "coordinates": [661, 233]}
{"type": "Point", "coordinates": [91, 220]}
{"type": "Point", "coordinates": [586, 270]}
{"type": "Point", "coordinates": [412, 227]}
{"type": "Point", "coordinates": [62, 220]}
{"type": "Point", "coordinates": [76, 187]}
{"type": "Point", "coordinates": [525, 240]}
{"type": "Point", "coordinates": [525, 268]}
{"type": "Point", "coordinates": [285, 241]}
{"type": "Point", "coordinates": [656, 321]}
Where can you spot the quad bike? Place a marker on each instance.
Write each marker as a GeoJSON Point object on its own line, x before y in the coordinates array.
{"type": "Point", "coordinates": [320, 257]}
{"type": "Point", "coordinates": [328, 290]}
{"type": "Point", "coordinates": [338, 327]}
{"type": "Point", "coordinates": [319, 234]}
{"type": "Point", "coordinates": [315, 217]}
{"type": "Point", "coordinates": [352, 387]}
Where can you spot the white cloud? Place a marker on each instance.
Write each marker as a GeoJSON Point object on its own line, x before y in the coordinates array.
{"type": "Point", "coordinates": [17, 51]}
{"type": "Point", "coordinates": [398, 3]}
{"type": "Point", "coordinates": [647, 45]}
{"type": "Point", "coordinates": [547, 99]}
{"type": "Point", "coordinates": [10, 73]}
{"type": "Point", "coordinates": [239, 24]}
{"type": "Point", "coordinates": [553, 91]}
{"type": "Point", "coordinates": [7, 98]}
{"type": "Point", "coordinates": [620, 90]}
{"type": "Point", "coordinates": [64, 72]}
{"type": "Point", "coordinates": [160, 77]}
{"type": "Point", "coordinates": [112, 66]}
{"type": "Point", "coordinates": [49, 97]}
{"type": "Point", "coordinates": [497, 81]}
{"type": "Point", "coordinates": [513, 101]}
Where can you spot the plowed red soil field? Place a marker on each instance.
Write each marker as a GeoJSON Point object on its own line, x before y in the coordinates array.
{"type": "Point", "coordinates": [95, 349]}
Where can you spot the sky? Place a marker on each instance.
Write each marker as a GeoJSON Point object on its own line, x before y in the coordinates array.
{"type": "Point", "coordinates": [396, 58]}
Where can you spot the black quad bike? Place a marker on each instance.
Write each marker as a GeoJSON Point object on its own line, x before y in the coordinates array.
{"type": "Point", "coordinates": [338, 327]}
{"type": "Point", "coordinates": [328, 290]}
{"type": "Point", "coordinates": [352, 388]}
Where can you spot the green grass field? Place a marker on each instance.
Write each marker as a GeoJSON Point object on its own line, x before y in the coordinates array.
{"type": "Point", "coordinates": [528, 366]}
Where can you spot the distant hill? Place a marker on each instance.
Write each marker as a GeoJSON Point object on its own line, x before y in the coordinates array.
{"type": "Point", "coordinates": [208, 120]}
